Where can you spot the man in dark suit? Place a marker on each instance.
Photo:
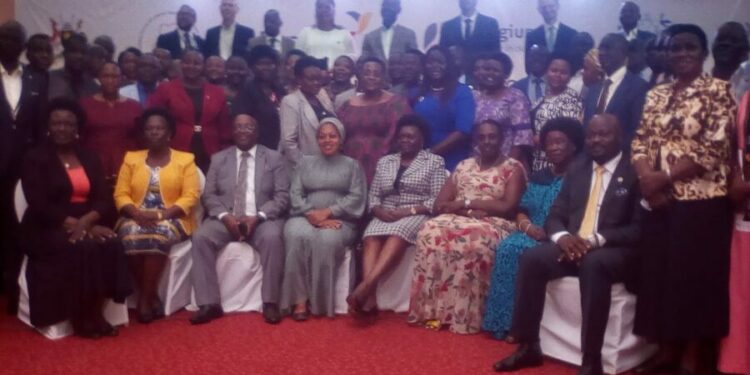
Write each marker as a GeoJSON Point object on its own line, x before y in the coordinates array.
{"type": "Point", "coordinates": [556, 36]}
{"type": "Point", "coordinates": [391, 38]}
{"type": "Point", "coordinates": [630, 14]}
{"type": "Point", "coordinates": [593, 225]}
{"type": "Point", "coordinates": [23, 94]}
{"type": "Point", "coordinates": [475, 32]}
{"type": "Point", "coordinates": [534, 85]}
{"type": "Point", "coordinates": [246, 198]}
{"type": "Point", "coordinates": [271, 35]}
{"type": "Point", "coordinates": [230, 38]}
{"type": "Point", "coordinates": [183, 38]}
{"type": "Point", "coordinates": [621, 93]}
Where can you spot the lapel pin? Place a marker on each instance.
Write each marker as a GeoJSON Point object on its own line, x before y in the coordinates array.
{"type": "Point", "coordinates": [619, 180]}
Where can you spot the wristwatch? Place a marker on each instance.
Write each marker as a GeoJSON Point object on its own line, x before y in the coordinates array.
{"type": "Point", "coordinates": [262, 216]}
{"type": "Point", "coordinates": [467, 202]}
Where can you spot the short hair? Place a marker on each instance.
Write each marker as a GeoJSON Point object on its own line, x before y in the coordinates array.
{"type": "Point", "coordinates": [62, 103]}
{"type": "Point", "coordinates": [572, 128]}
{"type": "Point", "coordinates": [416, 121]}
{"type": "Point", "coordinates": [75, 40]}
{"type": "Point", "coordinates": [497, 124]}
{"type": "Point", "coordinates": [295, 52]}
{"type": "Point", "coordinates": [191, 50]}
{"type": "Point", "coordinates": [41, 38]}
{"type": "Point", "coordinates": [562, 57]}
{"type": "Point", "coordinates": [156, 111]}
{"type": "Point", "coordinates": [688, 28]}
{"type": "Point", "coordinates": [303, 63]}
{"type": "Point", "coordinates": [416, 52]}
{"type": "Point", "coordinates": [500, 57]}
{"type": "Point", "coordinates": [133, 50]}
{"type": "Point", "coordinates": [261, 52]}
{"type": "Point", "coordinates": [372, 59]}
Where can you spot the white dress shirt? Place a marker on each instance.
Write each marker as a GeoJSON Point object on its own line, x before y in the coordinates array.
{"type": "Point", "coordinates": [616, 79]}
{"type": "Point", "coordinates": [226, 40]}
{"type": "Point", "coordinates": [12, 84]}
{"type": "Point", "coordinates": [277, 40]}
{"type": "Point", "coordinates": [326, 44]}
{"type": "Point", "coordinates": [472, 27]}
{"type": "Point", "coordinates": [631, 35]}
{"type": "Point", "coordinates": [596, 239]}
{"type": "Point", "coordinates": [386, 35]}
{"type": "Point", "coordinates": [193, 41]}
{"type": "Point", "coordinates": [250, 208]}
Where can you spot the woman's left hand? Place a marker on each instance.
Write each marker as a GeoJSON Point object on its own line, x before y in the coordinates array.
{"type": "Point", "coordinates": [451, 207]}
{"type": "Point", "coordinates": [101, 233]}
{"type": "Point", "coordinates": [653, 182]}
{"type": "Point", "coordinates": [79, 231]}
{"type": "Point", "coordinates": [477, 214]}
{"type": "Point", "coordinates": [315, 217]}
{"type": "Point", "coordinates": [330, 224]}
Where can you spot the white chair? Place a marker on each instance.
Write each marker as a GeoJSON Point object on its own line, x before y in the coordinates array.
{"type": "Point", "coordinates": [394, 288]}
{"type": "Point", "coordinates": [175, 286]}
{"type": "Point", "coordinates": [561, 328]}
{"type": "Point", "coordinates": [115, 313]}
{"type": "Point", "coordinates": [241, 277]}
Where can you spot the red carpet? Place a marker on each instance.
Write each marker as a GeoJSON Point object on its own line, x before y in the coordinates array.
{"type": "Point", "coordinates": [244, 344]}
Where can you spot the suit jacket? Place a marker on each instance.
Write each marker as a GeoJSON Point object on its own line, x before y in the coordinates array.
{"type": "Point", "coordinates": [403, 39]}
{"type": "Point", "coordinates": [287, 43]}
{"type": "Point", "coordinates": [214, 121]}
{"type": "Point", "coordinates": [484, 38]}
{"type": "Point", "coordinates": [563, 41]}
{"type": "Point", "coordinates": [271, 183]}
{"type": "Point", "coordinates": [61, 84]}
{"type": "Point", "coordinates": [242, 34]}
{"type": "Point", "coordinates": [299, 125]}
{"type": "Point", "coordinates": [643, 36]}
{"type": "Point", "coordinates": [171, 42]}
{"type": "Point", "coordinates": [523, 85]}
{"type": "Point", "coordinates": [626, 104]}
{"type": "Point", "coordinates": [178, 183]}
{"type": "Point", "coordinates": [20, 134]}
{"type": "Point", "coordinates": [620, 212]}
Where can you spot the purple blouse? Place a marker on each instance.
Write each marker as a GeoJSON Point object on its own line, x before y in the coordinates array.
{"type": "Point", "coordinates": [511, 110]}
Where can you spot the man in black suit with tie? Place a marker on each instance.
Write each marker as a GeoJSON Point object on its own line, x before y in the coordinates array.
{"type": "Point", "coordinates": [475, 32]}
{"type": "Point", "coordinates": [593, 225]}
{"type": "Point", "coordinates": [621, 93]}
{"type": "Point", "coordinates": [630, 14]}
{"type": "Point", "coordinates": [183, 38]}
{"type": "Point", "coordinates": [23, 95]}
{"type": "Point", "coordinates": [230, 38]}
{"type": "Point", "coordinates": [556, 36]}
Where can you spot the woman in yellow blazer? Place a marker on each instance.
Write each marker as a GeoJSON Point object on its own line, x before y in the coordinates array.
{"type": "Point", "coordinates": [156, 192]}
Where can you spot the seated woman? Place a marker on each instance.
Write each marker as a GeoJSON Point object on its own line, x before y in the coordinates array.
{"type": "Point", "coordinates": [562, 139]}
{"type": "Point", "coordinates": [455, 250]}
{"type": "Point", "coordinates": [74, 262]}
{"type": "Point", "coordinates": [156, 192]}
{"type": "Point", "coordinates": [328, 196]}
{"type": "Point", "coordinates": [401, 198]}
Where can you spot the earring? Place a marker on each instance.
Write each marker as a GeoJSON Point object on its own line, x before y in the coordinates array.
{"type": "Point", "coordinates": [77, 136]}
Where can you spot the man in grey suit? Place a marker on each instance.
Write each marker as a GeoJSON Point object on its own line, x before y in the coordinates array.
{"type": "Point", "coordinates": [271, 35]}
{"type": "Point", "coordinates": [246, 198]}
{"type": "Point", "coordinates": [391, 38]}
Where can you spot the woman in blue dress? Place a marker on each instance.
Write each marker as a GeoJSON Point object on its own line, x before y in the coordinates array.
{"type": "Point", "coordinates": [561, 139]}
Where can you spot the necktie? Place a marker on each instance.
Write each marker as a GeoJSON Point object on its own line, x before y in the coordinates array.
{"type": "Point", "coordinates": [602, 105]}
{"type": "Point", "coordinates": [551, 38]}
{"type": "Point", "coordinates": [589, 217]}
{"type": "Point", "coordinates": [538, 89]}
{"type": "Point", "coordinates": [188, 43]}
{"type": "Point", "coordinates": [273, 43]}
{"type": "Point", "coordinates": [467, 28]}
{"type": "Point", "coordinates": [240, 191]}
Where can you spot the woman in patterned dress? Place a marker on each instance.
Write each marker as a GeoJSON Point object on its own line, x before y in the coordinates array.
{"type": "Point", "coordinates": [563, 140]}
{"type": "Point", "coordinates": [156, 192]}
{"type": "Point", "coordinates": [455, 250]}
{"type": "Point", "coordinates": [559, 101]}
{"type": "Point", "coordinates": [401, 199]}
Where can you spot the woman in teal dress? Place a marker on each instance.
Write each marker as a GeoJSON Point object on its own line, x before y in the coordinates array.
{"type": "Point", "coordinates": [562, 139]}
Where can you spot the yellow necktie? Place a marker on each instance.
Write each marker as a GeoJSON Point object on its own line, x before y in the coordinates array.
{"type": "Point", "coordinates": [589, 217]}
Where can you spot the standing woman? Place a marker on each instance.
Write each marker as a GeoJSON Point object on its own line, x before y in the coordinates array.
{"type": "Point", "coordinates": [401, 199]}
{"type": "Point", "coordinates": [682, 153]}
{"type": "Point", "coordinates": [302, 111]}
{"type": "Point", "coordinates": [370, 119]}
{"type": "Point", "coordinates": [341, 77]}
{"type": "Point", "coordinates": [236, 77]}
{"type": "Point", "coordinates": [559, 101]}
{"type": "Point", "coordinates": [328, 196]}
{"type": "Point", "coordinates": [456, 250]}
{"type": "Point", "coordinates": [157, 189]}
{"type": "Point", "coordinates": [110, 128]}
{"type": "Point", "coordinates": [448, 106]}
{"type": "Point", "coordinates": [75, 262]}
{"type": "Point", "coordinates": [199, 108]}
{"type": "Point", "coordinates": [325, 39]}
{"type": "Point", "coordinates": [507, 105]}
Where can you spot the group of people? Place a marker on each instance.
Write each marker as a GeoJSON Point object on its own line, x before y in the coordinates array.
{"type": "Point", "coordinates": [604, 163]}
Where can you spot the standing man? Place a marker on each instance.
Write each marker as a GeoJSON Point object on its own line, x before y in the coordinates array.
{"type": "Point", "coordinates": [630, 14]}
{"type": "Point", "coordinates": [73, 80]}
{"type": "Point", "coordinates": [534, 85]}
{"type": "Point", "coordinates": [593, 224]}
{"type": "Point", "coordinates": [22, 98]}
{"type": "Point", "coordinates": [556, 36]}
{"type": "Point", "coordinates": [183, 38]}
{"type": "Point", "coordinates": [622, 93]}
{"type": "Point", "coordinates": [476, 32]}
{"type": "Point", "coordinates": [230, 38]}
{"type": "Point", "coordinates": [271, 35]}
{"type": "Point", "coordinates": [730, 51]}
{"type": "Point", "coordinates": [246, 199]}
{"type": "Point", "coordinates": [147, 73]}
{"type": "Point", "coordinates": [391, 38]}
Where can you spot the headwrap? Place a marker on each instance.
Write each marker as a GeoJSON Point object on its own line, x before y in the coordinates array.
{"type": "Point", "coordinates": [335, 122]}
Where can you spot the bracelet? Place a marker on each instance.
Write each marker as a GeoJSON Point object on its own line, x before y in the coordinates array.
{"type": "Point", "coordinates": [528, 225]}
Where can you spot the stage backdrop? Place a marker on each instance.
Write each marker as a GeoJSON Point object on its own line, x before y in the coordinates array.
{"type": "Point", "coordinates": [138, 22]}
